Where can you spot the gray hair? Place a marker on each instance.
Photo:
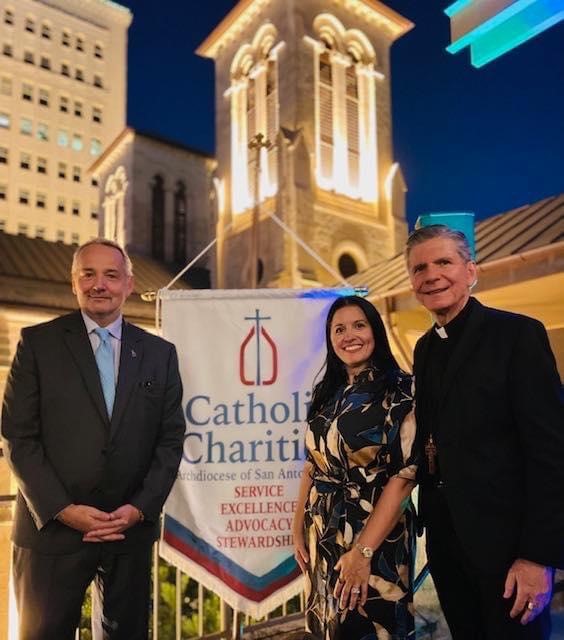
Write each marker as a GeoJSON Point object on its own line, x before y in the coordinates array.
{"type": "Point", "coordinates": [440, 231]}
{"type": "Point", "coordinates": [105, 243]}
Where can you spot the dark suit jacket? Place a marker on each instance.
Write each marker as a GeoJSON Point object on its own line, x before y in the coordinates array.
{"type": "Point", "coordinates": [63, 448]}
{"type": "Point", "coordinates": [500, 436]}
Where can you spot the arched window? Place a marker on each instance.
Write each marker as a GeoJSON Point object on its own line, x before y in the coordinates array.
{"type": "Point", "coordinates": [353, 142]}
{"type": "Point", "coordinates": [325, 118]}
{"type": "Point", "coordinates": [254, 110]}
{"type": "Point", "coordinates": [347, 265]}
{"type": "Point", "coordinates": [157, 215]}
{"type": "Point", "coordinates": [180, 223]}
{"type": "Point", "coordinates": [345, 109]}
{"type": "Point", "coordinates": [115, 218]}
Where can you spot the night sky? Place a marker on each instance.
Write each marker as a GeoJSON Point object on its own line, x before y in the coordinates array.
{"type": "Point", "coordinates": [483, 140]}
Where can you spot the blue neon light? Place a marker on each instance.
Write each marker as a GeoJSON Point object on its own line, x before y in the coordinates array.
{"type": "Point", "coordinates": [514, 25]}
{"type": "Point", "coordinates": [457, 6]}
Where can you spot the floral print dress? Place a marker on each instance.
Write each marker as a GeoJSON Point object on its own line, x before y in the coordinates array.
{"type": "Point", "coordinates": [361, 438]}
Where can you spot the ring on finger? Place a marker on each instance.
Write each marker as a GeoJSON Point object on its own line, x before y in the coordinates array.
{"type": "Point", "coordinates": [355, 590]}
{"type": "Point", "coordinates": [531, 606]}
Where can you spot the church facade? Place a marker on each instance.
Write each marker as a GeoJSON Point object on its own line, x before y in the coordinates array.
{"type": "Point", "coordinates": [157, 198]}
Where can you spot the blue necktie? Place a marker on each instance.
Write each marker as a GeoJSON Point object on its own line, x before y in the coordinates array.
{"type": "Point", "coordinates": [105, 361]}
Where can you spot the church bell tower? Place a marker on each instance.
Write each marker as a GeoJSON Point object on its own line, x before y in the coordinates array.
{"type": "Point", "coordinates": [304, 140]}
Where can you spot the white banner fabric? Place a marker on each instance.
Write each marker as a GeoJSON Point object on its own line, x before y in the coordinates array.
{"type": "Point", "coordinates": [248, 359]}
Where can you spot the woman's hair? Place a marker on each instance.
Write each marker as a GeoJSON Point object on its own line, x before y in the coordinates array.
{"type": "Point", "coordinates": [335, 373]}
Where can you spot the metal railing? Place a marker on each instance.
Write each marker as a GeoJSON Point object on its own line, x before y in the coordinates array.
{"type": "Point", "coordinates": [182, 609]}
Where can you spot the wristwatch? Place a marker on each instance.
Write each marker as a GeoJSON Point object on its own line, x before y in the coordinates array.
{"type": "Point", "coordinates": [367, 552]}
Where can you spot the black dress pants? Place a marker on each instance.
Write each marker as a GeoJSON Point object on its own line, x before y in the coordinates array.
{"type": "Point", "coordinates": [472, 600]}
{"type": "Point", "coordinates": [50, 589]}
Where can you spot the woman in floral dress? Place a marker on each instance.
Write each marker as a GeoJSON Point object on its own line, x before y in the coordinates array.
{"type": "Point", "coordinates": [353, 528]}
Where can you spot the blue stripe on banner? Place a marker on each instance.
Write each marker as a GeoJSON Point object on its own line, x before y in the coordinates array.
{"type": "Point", "coordinates": [254, 582]}
{"type": "Point", "coordinates": [327, 293]}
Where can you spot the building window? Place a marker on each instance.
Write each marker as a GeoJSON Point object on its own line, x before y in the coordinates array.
{"type": "Point", "coordinates": [79, 43]}
{"type": "Point", "coordinates": [30, 25]}
{"type": "Point", "coordinates": [95, 147]}
{"type": "Point", "coordinates": [28, 57]}
{"type": "Point", "coordinates": [65, 39]}
{"type": "Point", "coordinates": [64, 104]}
{"type": "Point", "coordinates": [42, 165]}
{"type": "Point", "coordinates": [8, 17]}
{"type": "Point", "coordinates": [76, 174]}
{"type": "Point", "coordinates": [75, 239]}
{"type": "Point", "coordinates": [43, 131]}
{"type": "Point", "coordinates": [79, 74]}
{"type": "Point", "coordinates": [93, 212]}
{"type": "Point", "coordinates": [97, 115]}
{"type": "Point", "coordinates": [347, 265]}
{"type": "Point", "coordinates": [25, 161]}
{"type": "Point", "coordinates": [325, 115]}
{"type": "Point", "coordinates": [22, 229]}
{"type": "Point", "coordinates": [78, 109]}
{"type": "Point", "coordinates": [65, 69]}
{"type": "Point", "coordinates": [44, 97]}
{"type": "Point", "coordinates": [6, 86]}
{"type": "Point", "coordinates": [26, 127]}
{"type": "Point", "coordinates": [46, 31]}
{"type": "Point", "coordinates": [75, 208]}
{"type": "Point", "coordinates": [94, 182]}
{"type": "Point", "coordinates": [2, 225]}
{"type": "Point", "coordinates": [4, 155]}
{"type": "Point", "coordinates": [61, 205]}
{"type": "Point", "coordinates": [3, 192]}
{"type": "Point", "coordinates": [157, 218]}
{"type": "Point", "coordinates": [40, 201]}
{"type": "Point", "coordinates": [23, 197]}
{"type": "Point", "coordinates": [62, 171]}
{"type": "Point", "coordinates": [4, 120]}
{"type": "Point", "coordinates": [77, 143]}
{"type": "Point", "coordinates": [7, 50]}
{"type": "Point", "coordinates": [40, 233]}
{"type": "Point", "coordinates": [60, 236]}
{"type": "Point", "coordinates": [45, 62]}
{"type": "Point", "coordinates": [345, 105]}
{"type": "Point", "coordinates": [62, 138]}
{"type": "Point", "coordinates": [98, 51]}
{"type": "Point", "coordinates": [180, 223]}
{"type": "Point", "coordinates": [254, 111]}
{"type": "Point", "coordinates": [27, 92]}
{"type": "Point", "coordinates": [98, 81]}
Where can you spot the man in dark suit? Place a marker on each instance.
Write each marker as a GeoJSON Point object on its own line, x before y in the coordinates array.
{"type": "Point", "coordinates": [93, 431]}
{"type": "Point", "coordinates": [491, 429]}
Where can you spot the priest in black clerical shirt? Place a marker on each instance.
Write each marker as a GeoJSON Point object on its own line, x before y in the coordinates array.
{"type": "Point", "coordinates": [489, 411]}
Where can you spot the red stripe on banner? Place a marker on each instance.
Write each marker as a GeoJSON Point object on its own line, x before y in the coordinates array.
{"type": "Point", "coordinates": [240, 587]}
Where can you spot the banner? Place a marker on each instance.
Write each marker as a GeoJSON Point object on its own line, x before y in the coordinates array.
{"type": "Point", "coordinates": [247, 360]}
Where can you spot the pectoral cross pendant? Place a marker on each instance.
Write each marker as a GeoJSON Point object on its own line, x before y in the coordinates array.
{"type": "Point", "coordinates": [431, 453]}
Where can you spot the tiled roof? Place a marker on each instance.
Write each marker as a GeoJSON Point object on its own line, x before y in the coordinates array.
{"type": "Point", "coordinates": [35, 259]}
{"type": "Point", "coordinates": [514, 232]}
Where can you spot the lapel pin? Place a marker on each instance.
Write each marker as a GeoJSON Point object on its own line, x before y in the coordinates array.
{"type": "Point", "coordinates": [133, 354]}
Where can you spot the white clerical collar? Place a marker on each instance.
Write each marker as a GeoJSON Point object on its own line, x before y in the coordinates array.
{"type": "Point", "coordinates": [441, 332]}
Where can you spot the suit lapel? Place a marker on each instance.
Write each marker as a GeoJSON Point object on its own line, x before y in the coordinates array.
{"type": "Point", "coordinates": [78, 343]}
{"type": "Point", "coordinates": [129, 363]}
{"type": "Point", "coordinates": [468, 340]}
